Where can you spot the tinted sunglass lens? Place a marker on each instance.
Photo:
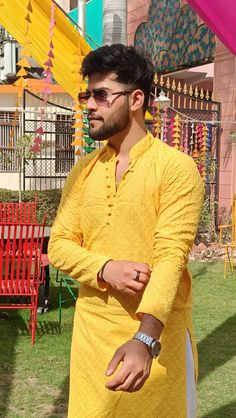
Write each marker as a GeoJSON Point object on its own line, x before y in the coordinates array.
{"type": "Point", "coordinates": [83, 98]}
{"type": "Point", "coordinates": [100, 95]}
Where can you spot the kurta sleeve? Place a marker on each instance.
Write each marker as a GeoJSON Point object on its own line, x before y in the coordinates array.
{"type": "Point", "coordinates": [180, 203]}
{"type": "Point", "coordinates": [65, 248]}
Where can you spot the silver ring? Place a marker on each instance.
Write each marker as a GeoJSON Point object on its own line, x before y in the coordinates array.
{"type": "Point", "coordinates": [137, 276]}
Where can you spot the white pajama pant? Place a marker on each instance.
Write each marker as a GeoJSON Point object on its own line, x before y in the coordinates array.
{"type": "Point", "coordinates": [191, 388]}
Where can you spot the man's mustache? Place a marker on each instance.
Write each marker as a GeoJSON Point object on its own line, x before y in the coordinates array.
{"type": "Point", "coordinates": [93, 116]}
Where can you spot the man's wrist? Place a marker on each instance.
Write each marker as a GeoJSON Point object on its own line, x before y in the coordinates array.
{"type": "Point", "coordinates": [151, 326]}
{"type": "Point", "coordinates": [101, 272]}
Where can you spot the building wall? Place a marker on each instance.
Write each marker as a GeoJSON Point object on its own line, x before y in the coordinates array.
{"type": "Point", "coordinates": [93, 21]}
{"type": "Point", "coordinates": [225, 93]}
{"type": "Point", "coordinates": [137, 13]}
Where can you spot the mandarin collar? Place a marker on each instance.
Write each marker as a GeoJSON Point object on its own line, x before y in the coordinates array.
{"type": "Point", "coordinates": [138, 149]}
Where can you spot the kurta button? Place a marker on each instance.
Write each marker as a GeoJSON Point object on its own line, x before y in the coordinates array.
{"type": "Point", "coordinates": [108, 186]}
{"type": "Point", "coordinates": [107, 223]}
{"type": "Point", "coordinates": [109, 213]}
{"type": "Point", "coordinates": [110, 205]}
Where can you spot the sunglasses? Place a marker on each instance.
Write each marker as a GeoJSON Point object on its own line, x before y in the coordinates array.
{"type": "Point", "coordinates": [101, 96]}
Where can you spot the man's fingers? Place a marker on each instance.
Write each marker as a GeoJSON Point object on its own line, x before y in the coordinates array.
{"type": "Point", "coordinates": [128, 383]}
{"type": "Point", "coordinates": [140, 278]}
{"type": "Point", "coordinates": [112, 366]}
{"type": "Point", "coordinates": [136, 385]}
{"type": "Point", "coordinates": [118, 380]}
{"type": "Point", "coordinates": [136, 287]}
{"type": "Point", "coordinates": [143, 268]}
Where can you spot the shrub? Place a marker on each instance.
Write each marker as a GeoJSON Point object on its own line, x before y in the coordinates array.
{"type": "Point", "coordinates": [48, 201]}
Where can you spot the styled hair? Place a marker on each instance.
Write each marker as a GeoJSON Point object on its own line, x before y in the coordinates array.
{"type": "Point", "coordinates": [131, 65]}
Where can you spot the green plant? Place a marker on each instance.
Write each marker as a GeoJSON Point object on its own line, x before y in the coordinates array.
{"type": "Point", "coordinates": [232, 136]}
{"type": "Point", "coordinates": [207, 225]}
{"type": "Point", "coordinates": [48, 201]}
{"type": "Point", "coordinates": [23, 150]}
{"type": "Point", "coordinates": [26, 148]}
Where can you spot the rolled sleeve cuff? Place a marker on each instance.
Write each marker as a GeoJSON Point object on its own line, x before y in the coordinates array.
{"type": "Point", "coordinates": [161, 291]}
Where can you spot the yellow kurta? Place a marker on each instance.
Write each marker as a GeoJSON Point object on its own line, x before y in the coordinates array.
{"type": "Point", "coordinates": [152, 217]}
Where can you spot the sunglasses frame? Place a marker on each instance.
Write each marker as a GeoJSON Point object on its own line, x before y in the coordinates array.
{"type": "Point", "coordinates": [83, 97]}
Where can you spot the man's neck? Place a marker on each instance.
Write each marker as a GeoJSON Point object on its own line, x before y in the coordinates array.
{"type": "Point", "coordinates": [124, 141]}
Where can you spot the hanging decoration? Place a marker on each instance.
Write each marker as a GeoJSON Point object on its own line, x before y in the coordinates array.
{"type": "Point", "coordinates": [78, 127]}
{"type": "Point", "coordinates": [191, 142]}
{"type": "Point", "coordinates": [157, 121]}
{"type": "Point", "coordinates": [21, 82]}
{"type": "Point", "coordinates": [37, 141]}
{"type": "Point", "coordinates": [185, 136]}
{"type": "Point", "coordinates": [15, 122]}
{"type": "Point", "coordinates": [176, 131]}
{"type": "Point", "coordinates": [203, 152]}
{"type": "Point", "coordinates": [208, 153]}
{"type": "Point", "coordinates": [23, 63]}
{"type": "Point", "coordinates": [192, 138]}
{"type": "Point", "coordinates": [47, 91]}
{"type": "Point", "coordinates": [197, 139]}
{"type": "Point", "coordinates": [171, 128]}
{"type": "Point", "coordinates": [81, 138]}
{"type": "Point", "coordinates": [164, 124]}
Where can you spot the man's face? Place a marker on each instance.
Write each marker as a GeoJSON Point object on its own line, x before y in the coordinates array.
{"type": "Point", "coordinates": [110, 116]}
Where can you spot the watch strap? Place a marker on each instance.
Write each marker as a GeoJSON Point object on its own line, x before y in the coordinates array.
{"type": "Point", "coordinates": [146, 339]}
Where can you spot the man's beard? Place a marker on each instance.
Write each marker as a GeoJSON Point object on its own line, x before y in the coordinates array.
{"type": "Point", "coordinates": [118, 121]}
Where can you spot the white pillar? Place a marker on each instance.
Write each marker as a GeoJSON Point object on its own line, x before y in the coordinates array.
{"type": "Point", "coordinates": [82, 16]}
{"type": "Point", "coordinates": [114, 22]}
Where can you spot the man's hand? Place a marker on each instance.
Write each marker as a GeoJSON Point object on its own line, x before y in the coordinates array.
{"type": "Point", "coordinates": [122, 276]}
{"type": "Point", "coordinates": [135, 368]}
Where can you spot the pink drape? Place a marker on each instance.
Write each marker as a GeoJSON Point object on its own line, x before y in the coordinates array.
{"type": "Point", "coordinates": [220, 17]}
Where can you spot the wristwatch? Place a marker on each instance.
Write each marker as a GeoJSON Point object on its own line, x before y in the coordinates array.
{"type": "Point", "coordinates": [153, 345]}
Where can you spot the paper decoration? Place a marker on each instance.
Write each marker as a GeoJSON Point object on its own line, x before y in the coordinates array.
{"type": "Point", "coordinates": [47, 91]}
{"type": "Point", "coordinates": [195, 153]}
{"type": "Point", "coordinates": [176, 131]}
{"type": "Point", "coordinates": [157, 121]}
{"type": "Point", "coordinates": [210, 168]}
{"type": "Point", "coordinates": [203, 152]}
{"type": "Point", "coordinates": [185, 136]}
{"type": "Point", "coordinates": [192, 138]}
{"type": "Point", "coordinates": [37, 142]}
{"type": "Point", "coordinates": [23, 63]}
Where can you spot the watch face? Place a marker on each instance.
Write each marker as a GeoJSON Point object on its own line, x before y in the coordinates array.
{"type": "Point", "coordinates": [156, 348]}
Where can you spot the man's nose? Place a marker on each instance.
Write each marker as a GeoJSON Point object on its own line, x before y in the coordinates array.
{"type": "Point", "coordinates": [91, 103]}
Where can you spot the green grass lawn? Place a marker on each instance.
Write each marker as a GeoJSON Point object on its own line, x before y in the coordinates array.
{"type": "Point", "coordinates": [34, 380]}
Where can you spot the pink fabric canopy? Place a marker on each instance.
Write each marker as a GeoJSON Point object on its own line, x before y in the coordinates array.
{"type": "Point", "coordinates": [220, 17]}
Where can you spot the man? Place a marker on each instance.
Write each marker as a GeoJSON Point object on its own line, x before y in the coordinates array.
{"type": "Point", "coordinates": [125, 225]}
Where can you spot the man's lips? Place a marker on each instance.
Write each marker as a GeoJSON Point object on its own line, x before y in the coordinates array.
{"type": "Point", "coordinates": [91, 118]}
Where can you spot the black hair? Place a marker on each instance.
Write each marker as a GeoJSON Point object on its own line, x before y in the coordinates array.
{"type": "Point", "coordinates": [131, 65]}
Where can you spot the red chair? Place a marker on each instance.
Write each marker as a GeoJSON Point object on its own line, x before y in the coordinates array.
{"type": "Point", "coordinates": [24, 212]}
{"type": "Point", "coordinates": [20, 267]}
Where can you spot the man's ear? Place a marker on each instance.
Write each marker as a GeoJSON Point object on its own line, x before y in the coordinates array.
{"type": "Point", "coordinates": [137, 100]}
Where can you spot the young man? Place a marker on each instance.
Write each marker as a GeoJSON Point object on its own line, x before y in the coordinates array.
{"type": "Point", "coordinates": [126, 223]}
